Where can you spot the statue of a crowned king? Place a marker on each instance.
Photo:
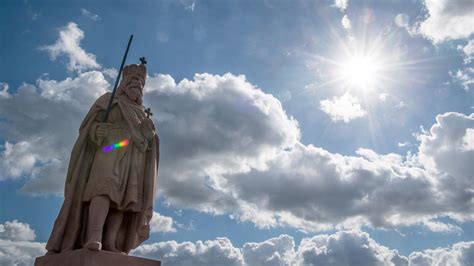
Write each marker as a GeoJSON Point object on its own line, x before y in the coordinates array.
{"type": "Point", "coordinates": [108, 197]}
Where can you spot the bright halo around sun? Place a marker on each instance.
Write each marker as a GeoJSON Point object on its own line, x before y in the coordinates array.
{"type": "Point", "coordinates": [359, 72]}
{"type": "Point", "coordinates": [360, 67]}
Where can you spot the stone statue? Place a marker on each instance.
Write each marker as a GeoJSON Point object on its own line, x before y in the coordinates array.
{"type": "Point", "coordinates": [108, 197]}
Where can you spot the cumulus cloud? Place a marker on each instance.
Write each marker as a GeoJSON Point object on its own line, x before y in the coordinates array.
{"type": "Point", "coordinates": [211, 252]}
{"type": "Point", "coordinates": [461, 253]}
{"type": "Point", "coordinates": [443, 150]}
{"type": "Point", "coordinates": [68, 44]}
{"type": "Point", "coordinates": [17, 160]}
{"type": "Point", "coordinates": [210, 126]}
{"type": "Point", "coordinates": [229, 148]}
{"type": "Point", "coordinates": [311, 189]}
{"type": "Point", "coordinates": [161, 223]}
{"type": "Point", "coordinates": [443, 146]}
{"type": "Point", "coordinates": [16, 244]}
{"type": "Point", "coordinates": [346, 248]}
{"type": "Point", "coordinates": [344, 108]}
{"type": "Point", "coordinates": [341, 248]}
{"type": "Point", "coordinates": [346, 23]}
{"type": "Point", "coordinates": [275, 251]}
{"type": "Point", "coordinates": [353, 247]}
{"type": "Point", "coordinates": [341, 4]}
{"type": "Point", "coordinates": [40, 125]}
{"type": "Point", "coordinates": [448, 19]}
{"type": "Point", "coordinates": [16, 231]}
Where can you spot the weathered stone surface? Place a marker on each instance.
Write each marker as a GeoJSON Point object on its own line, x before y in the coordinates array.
{"type": "Point", "coordinates": [85, 257]}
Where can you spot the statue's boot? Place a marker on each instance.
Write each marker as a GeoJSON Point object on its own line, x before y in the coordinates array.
{"type": "Point", "coordinates": [97, 213]}
{"type": "Point", "coordinates": [112, 226]}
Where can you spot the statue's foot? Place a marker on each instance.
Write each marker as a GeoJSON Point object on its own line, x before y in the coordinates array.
{"type": "Point", "coordinates": [95, 246]}
{"type": "Point", "coordinates": [113, 249]}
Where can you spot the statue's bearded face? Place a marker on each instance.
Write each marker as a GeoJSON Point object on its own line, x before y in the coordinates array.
{"type": "Point", "coordinates": [134, 87]}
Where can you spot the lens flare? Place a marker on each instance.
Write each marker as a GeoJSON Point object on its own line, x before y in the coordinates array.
{"type": "Point", "coordinates": [120, 144]}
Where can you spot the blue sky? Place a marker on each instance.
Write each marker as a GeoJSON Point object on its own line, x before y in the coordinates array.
{"type": "Point", "coordinates": [314, 120]}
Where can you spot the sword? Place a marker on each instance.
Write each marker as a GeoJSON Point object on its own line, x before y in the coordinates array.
{"type": "Point", "coordinates": [106, 116]}
{"type": "Point", "coordinates": [109, 106]}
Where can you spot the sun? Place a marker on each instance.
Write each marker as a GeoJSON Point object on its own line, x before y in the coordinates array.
{"type": "Point", "coordinates": [361, 66]}
{"type": "Point", "coordinates": [360, 72]}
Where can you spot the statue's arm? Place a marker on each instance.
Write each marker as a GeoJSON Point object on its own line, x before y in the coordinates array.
{"type": "Point", "coordinates": [96, 132]}
{"type": "Point", "coordinates": [148, 131]}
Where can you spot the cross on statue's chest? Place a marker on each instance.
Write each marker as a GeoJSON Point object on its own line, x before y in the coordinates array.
{"type": "Point", "coordinates": [148, 112]}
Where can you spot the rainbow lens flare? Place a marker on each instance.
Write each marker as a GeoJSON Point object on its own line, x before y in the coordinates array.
{"type": "Point", "coordinates": [120, 144]}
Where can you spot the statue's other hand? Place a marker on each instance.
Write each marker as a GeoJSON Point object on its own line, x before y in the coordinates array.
{"type": "Point", "coordinates": [148, 129]}
{"type": "Point", "coordinates": [149, 124]}
{"type": "Point", "coordinates": [102, 130]}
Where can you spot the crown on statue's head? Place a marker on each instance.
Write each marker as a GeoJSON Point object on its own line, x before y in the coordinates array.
{"type": "Point", "coordinates": [135, 69]}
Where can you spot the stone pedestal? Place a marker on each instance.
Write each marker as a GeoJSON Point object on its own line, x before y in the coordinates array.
{"type": "Point", "coordinates": [85, 257]}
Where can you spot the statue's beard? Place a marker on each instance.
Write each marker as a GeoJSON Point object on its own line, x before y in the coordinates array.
{"type": "Point", "coordinates": [133, 93]}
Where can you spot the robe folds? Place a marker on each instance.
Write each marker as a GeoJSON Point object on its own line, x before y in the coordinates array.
{"type": "Point", "coordinates": [131, 170]}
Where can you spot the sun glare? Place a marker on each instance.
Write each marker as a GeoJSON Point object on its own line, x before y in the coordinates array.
{"type": "Point", "coordinates": [359, 72]}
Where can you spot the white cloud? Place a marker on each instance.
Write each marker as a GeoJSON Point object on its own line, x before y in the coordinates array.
{"type": "Point", "coordinates": [442, 148]}
{"type": "Point", "coordinates": [402, 20]}
{"type": "Point", "coordinates": [17, 160]}
{"type": "Point", "coordinates": [439, 227]}
{"type": "Point", "coordinates": [346, 23]}
{"type": "Point", "coordinates": [210, 126]}
{"type": "Point", "coordinates": [468, 140]}
{"type": "Point", "coordinates": [275, 251]}
{"type": "Point", "coordinates": [20, 253]}
{"type": "Point", "coordinates": [68, 44]}
{"type": "Point", "coordinates": [17, 246]}
{"type": "Point", "coordinates": [404, 144]}
{"type": "Point", "coordinates": [161, 223]}
{"type": "Point", "coordinates": [465, 77]}
{"type": "Point", "coordinates": [459, 254]}
{"type": "Point", "coordinates": [4, 90]}
{"type": "Point", "coordinates": [40, 126]}
{"type": "Point", "coordinates": [448, 19]}
{"type": "Point", "coordinates": [468, 51]}
{"type": "Point", "coordinates": [344, 108]}
{"type": "Point", "coordinates": [211, 252]}
{"type": "Point", "coordinates": [341, 248]}
{"type": "Point", "coordinates": [89, 14]}
{"type": "Point", "coordinates": [229, 148]}
{"type": "Point", "coordinates": [341, 4]}
{"type": "Point", "coordinates": [16, 231]}
{"type": "Point", "coordinates": [346, 248]}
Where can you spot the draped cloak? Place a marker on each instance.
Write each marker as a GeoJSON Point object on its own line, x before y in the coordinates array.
{"type": "Point", "coordinates": [69, 230]}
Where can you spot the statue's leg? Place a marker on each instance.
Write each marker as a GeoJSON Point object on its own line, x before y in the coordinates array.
{"type": "Point", "coordinates": [112, 226]}
{"type": "Point", "coordinates": [97, 213]}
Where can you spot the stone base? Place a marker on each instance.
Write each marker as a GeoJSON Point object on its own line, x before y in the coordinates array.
{"type": "Point", "coordinates": [85, 257]}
